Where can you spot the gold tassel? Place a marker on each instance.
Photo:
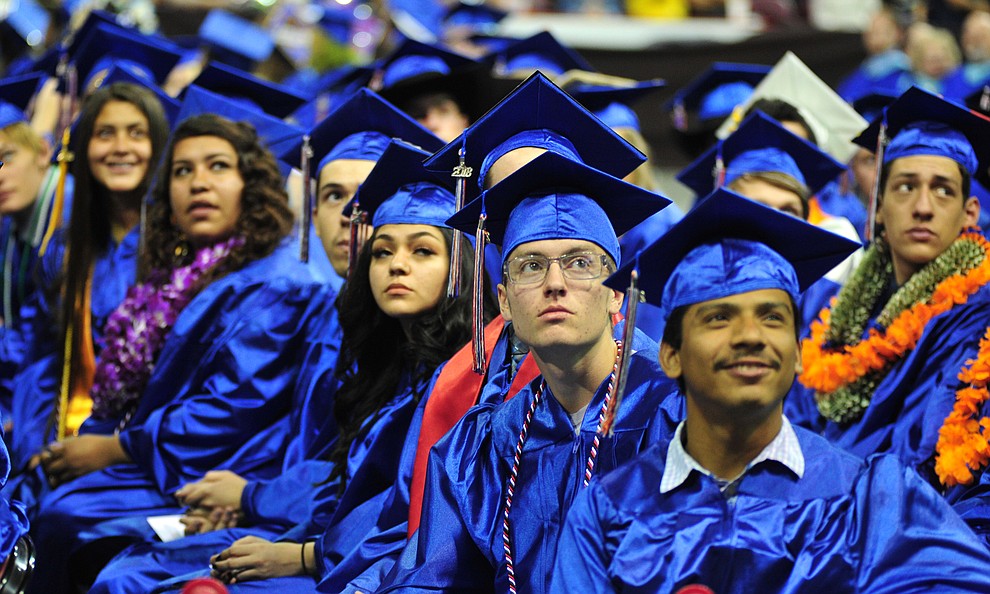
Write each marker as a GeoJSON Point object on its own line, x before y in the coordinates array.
{"type": "Point", "coordinates": [65, 157]}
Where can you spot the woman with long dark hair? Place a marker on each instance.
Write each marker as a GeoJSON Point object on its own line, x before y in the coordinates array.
{"type": "Point", "coordinates": [113, 150]}
{"type": "Point", "coordinates": [202, 355]}
{"type": "Point", "coordinates": [398, 326]}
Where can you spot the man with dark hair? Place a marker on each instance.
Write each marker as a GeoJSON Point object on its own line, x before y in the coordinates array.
{"type": "Point", "coordinates": [739, 500]}
{"type": "Point", "coordinates": [885, 358]}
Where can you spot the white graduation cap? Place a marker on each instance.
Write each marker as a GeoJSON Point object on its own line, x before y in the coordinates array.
{"type": "Point", "coordinates": [834, 122]}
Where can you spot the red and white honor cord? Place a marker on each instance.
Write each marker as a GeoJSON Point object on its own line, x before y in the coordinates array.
{"type": "Point", "coordinates": [517, 460]}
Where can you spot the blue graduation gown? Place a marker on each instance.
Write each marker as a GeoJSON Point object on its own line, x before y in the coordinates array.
{"type": "Point", "coordinates": [36, 385]}
{"type": "Point", "coordinates": [459, 542]}
{"type": "Point", "coordinates": [965, 80]}
{"type": "Point", "coordinates": [910, 405]}
{"type": "Point", "coordinates": [13, 518]}
{"type": "Point", "coordinates": [845, 526]}
{"type": "Point", "coordinates": [372, 465]}
{"type": "Point", "coordinates": [370, 561]}
{"type": "Point", "coordinates": [219, 398]}
{"type": "Point", "coordinates": [882, 72]}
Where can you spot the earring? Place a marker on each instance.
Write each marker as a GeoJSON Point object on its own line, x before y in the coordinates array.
{"type": "Point", "coordinates": [181, 248]}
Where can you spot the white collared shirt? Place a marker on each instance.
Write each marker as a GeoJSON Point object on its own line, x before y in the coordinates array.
{"type": "Point", "coordinates": [784, 448]}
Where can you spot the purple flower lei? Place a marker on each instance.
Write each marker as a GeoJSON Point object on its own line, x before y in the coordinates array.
{"type": "Point", "coordinates": [136, 331]}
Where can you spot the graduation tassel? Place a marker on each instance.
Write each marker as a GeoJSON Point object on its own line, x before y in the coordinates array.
{"type": "Point", "coordinates": [718, 175]}
{"type": "Point", "coordinates": [358, 232]}
{"type": "Point", "coordinates": [462, 172]}
{"type": "Point", "coordinates": [478, 297]}
{"type": "Point", "coordinates": [634, 297]}
{"type": "Point", "coordinates": [871, 211]}
{"type": "Point", "coordinates": [306, 216]}
{"type": "Point", "coordinates": [680, 117]}
{"type": "Point", "coordinates": [68, 74]}
{"type": "Point", "coordinates": [64, 157]}
{"type": "Point", "coordinates": [985, 99]}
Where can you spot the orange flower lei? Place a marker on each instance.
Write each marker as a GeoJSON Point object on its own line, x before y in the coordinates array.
{"type": "Point", "coordinates": [964, 440]}
{"type": "Point", "coordinates": [827, 369]}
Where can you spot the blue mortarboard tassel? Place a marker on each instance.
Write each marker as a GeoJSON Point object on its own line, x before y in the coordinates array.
{"type": "Point", "coordinates": [307, 200]}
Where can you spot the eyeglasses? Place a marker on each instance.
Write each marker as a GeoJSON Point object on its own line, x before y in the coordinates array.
{"type": "Point", "coordinates": [533, 268]}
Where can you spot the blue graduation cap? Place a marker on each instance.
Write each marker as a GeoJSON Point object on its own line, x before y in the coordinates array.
{"type": "Point", "coordinates": [277, 134]}
{"type": "Point", "coordinates": [333, 88]}
{"type": "Point", "coordinates": [28, 21]}
{"type": "Point", "coordinates": [399, 190]}
{"type": "Point", "coordinates": [921, 123]}
{"type": "Point", "coordinates": [117, 73]}
{"type": "Point", "coordinates": [536, 114]}
{"type": "Point", "coordinates": [551, 197]}
{"type": "Point", "coordinates": [729, 245]}
{"type": "Point", "coordinates": [476, 16]}
{"type": "Point", "coordinates": [554, 197]}
{"type": "Point", "coordinates": [234, 40]}
{"type": "Point", "coordinates": [872, 105]}
{"type": "Point", "coordinates": [540, 52]}
{"type": "Point", "coordinates": [360, 128]}
{"type": "Point", "coordinates": [715, 92]}
{"type": "Point", "coordinates": [20, 90]}
{"type": "Point", "coordinates": [10, 114]}
{"type": "Point", "coordinates": [417, 69]}
{"type": "Point", "coordinates": [413, 61]}
{"type": "Point", "coordinates": [140, 53]}
{"type": "Point", "coordinates": [760, 145]}
{"type": "Point", "coordinates": [613, 104]}
{"type": "Point", "coordinates": [272, 98]}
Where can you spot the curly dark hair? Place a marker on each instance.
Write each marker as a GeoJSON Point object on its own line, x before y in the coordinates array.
{"type": "Point", "coordinates": [375, 351]}
{"type": "Point", "coordinates": [265, 217]}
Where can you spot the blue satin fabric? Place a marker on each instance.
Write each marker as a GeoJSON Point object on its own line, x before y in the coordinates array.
{"type": "Point", "coordinates": [886, 72]}
{"type": "Point", "coordinates": [13, 518]}
{"type": "Point", "coordinates": [459, 543]}
{"type": "Point", "coordinates": [370, 562]}
{"type": "Point", "coordinates": [846, 526]}
{"type": "Point", "coordinates": [36, 385]}
{"type": "Point", "coordinates": [965, 80]}
{"type": "Point", "coordinates": [219, 398]}
{"type": "Point", "coordinates": [910, 405]}
{"type": "Point", "coordinates": [16, 333]}
{"type": "Point", "coordinates": [372, 465]}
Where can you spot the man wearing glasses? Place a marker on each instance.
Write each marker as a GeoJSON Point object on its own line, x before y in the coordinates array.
{"type": "Point", "coordinates": [499, 484]}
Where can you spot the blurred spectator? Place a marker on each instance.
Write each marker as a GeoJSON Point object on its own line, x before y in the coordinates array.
{"type": "Point", "coordinates": [971, 76]}
{"type": "Point", "coordinates": [934, 53]}
{"type": "Point", "coordinates": [883, 39]}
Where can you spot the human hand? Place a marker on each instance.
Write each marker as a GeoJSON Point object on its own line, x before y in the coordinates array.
{"type": "Point", "coordinates": [253, 558]}
{"type": "Point", "coordinates": [201, 520]}
{"type": "Point", "coordinates": [73, 457]}
{"type": "Point", "coordinates": [217, 488]}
